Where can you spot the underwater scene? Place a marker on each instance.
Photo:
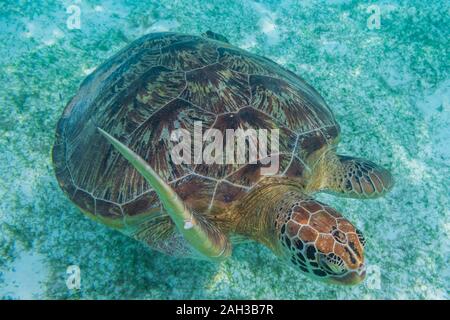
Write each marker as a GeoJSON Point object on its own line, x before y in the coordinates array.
{"type": "Point", "coordinates": [103, 195]}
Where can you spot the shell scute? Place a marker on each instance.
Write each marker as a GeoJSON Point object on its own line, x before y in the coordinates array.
{"type": "Point", "coordinates": [188, 55]}
{"type": "Point", "coordinates": [217, 89]}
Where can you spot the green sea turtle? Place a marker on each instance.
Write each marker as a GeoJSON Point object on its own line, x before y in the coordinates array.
{"type": "Point", "coordinates": [112, 156]}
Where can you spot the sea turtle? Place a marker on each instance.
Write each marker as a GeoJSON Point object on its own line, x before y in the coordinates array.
{"type": "Point", "coordinates": [112, 156]}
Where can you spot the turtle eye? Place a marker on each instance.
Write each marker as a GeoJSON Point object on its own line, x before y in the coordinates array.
{"type": "Point", "coordinates": [361, 238]}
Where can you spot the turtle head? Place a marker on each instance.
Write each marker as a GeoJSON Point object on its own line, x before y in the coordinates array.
{"type": "Point", "coordinates": [320, 242]}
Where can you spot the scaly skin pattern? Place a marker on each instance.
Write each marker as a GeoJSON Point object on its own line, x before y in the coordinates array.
{"type": "Point", "coordinates": [356, 178]}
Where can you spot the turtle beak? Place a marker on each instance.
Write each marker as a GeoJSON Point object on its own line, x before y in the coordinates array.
{"type": "Point", "coordinates": [351, 278]}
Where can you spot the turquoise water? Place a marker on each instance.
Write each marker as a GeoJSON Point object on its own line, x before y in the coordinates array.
{"type": "Point", "coordinates": [388, 85]}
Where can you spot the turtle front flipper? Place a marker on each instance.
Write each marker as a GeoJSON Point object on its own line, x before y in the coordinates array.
{"type": "Point", "coordinates": [357, 178]}
{"type": "Point", "coordinates": [204, 237]}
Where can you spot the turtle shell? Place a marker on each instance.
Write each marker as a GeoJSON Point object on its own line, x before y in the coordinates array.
{"type": "Point", "coordinates": [165, 81]}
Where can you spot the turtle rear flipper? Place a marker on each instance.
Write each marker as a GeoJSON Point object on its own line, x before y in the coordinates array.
{"type": "Point", "coordinates": [358, 178]}
{"type": "Point", "coordinates": [215, 36]}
